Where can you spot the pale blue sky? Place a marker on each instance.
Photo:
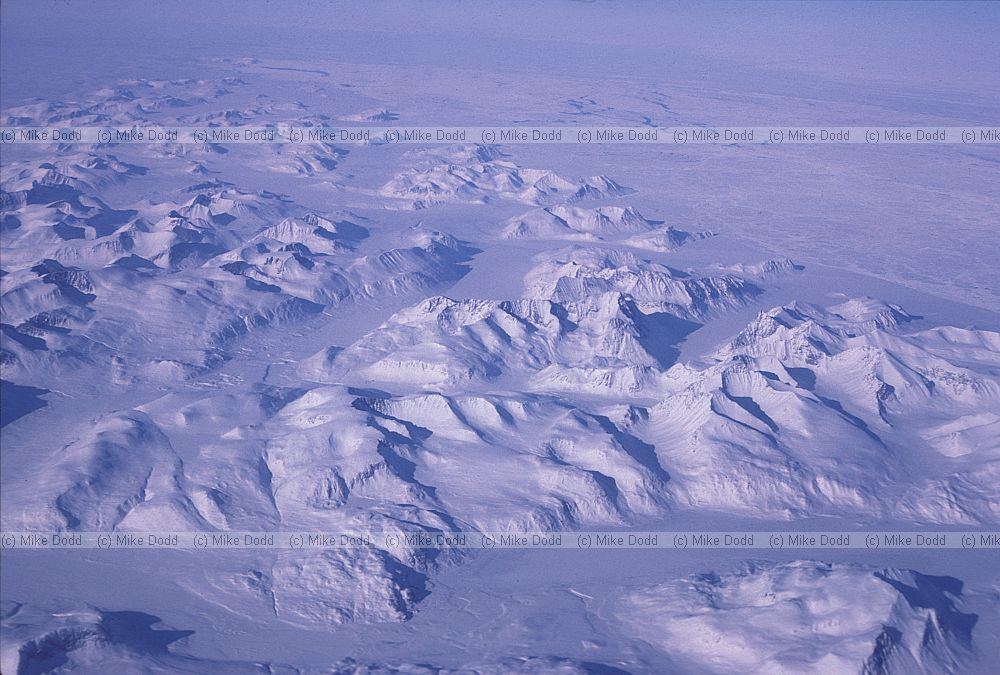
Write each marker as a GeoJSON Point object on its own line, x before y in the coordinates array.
{"type": "Point", "coordinates": [925, 46]}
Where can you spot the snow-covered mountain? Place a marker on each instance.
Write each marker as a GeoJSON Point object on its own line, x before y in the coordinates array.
{"type": "Point", "coordinates": [448, 343]}
{"type": "Point", "coordinates": [564, 222]}
{"type": "Point", "coordinates": [831, 410]}
{"type": "Point", "coordinates": [481, 177]}
{"type": "Point", "coordinates": [84, 281]}
{"type": "Point", "coordinates": [219, 338]}
{"type": "Point", "coordinates": [802, 617]}
{"type": "Point", "coordinates": [578, 273]}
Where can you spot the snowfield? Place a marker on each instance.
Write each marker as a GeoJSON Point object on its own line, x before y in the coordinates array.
{"type": "Point", "coordinates": [482, 337]}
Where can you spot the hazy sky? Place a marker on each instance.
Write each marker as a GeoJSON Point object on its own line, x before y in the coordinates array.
{"type": "Point", "coordinates": [926, 46]}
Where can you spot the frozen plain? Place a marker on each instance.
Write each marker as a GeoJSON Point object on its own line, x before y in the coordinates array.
{"type": "Point", "coordinates": [472, 337]}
